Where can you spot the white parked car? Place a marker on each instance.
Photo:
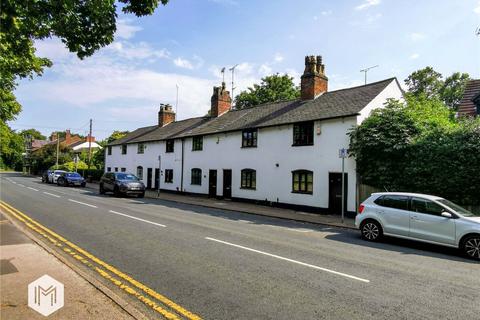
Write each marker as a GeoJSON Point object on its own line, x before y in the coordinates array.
{"type": "Point", "coordinates": [419, 217]}
{"type": "Point", "coordinates": [53, 176]}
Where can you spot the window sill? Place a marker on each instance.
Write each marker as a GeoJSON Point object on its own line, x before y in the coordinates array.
{"type": "Point", "coordinates": [197, 150]}
{"type": "Point", "coordinates": [302, 145]}
{"type": "Point", "coordinates": [303, 192]}
{"type": "Point", "coordinates": [248, 147]}
{"type": "Point", "coordinates": [168, 182]}
{"type": "Point", "coordinates": [245, 188]}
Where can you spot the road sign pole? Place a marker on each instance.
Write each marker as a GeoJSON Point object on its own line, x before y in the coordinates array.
{"type": "Point", "coordinates": [343, 189]}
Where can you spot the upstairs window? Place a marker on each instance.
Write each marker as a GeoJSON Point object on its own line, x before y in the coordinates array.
{"type": "Point", "coordinates": [141, 148]}
{"type": "Point", "coordinates": [109, 150]}
{"type": "Point", "coordinates": [169, 145]}
{"type": "Point", "coordinates": [124, 149]}
{"type": "Point", "coordinates": [303, 134]}
{"type": "Point", "coordinates": [302, 181]}
{"type": "Point", "coordinates": [140, 172]}
{"type": "Point", "coordinates": [197, 143]}
{"type": "Point", "coordinates": [249, 138]}
{"type": "Point", "coordinates": [123, 169]}
{"type": "Point", "coordinates": [197, 176]}
{"type": "Point", "coordinates": [168, 175]}
{"type": "Point", "coordinates": [249, 179]}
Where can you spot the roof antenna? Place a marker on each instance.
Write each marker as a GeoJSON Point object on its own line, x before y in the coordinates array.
{"type": "Point", "coordinates": [233, 77]}
{"type": "Point", "coordinates": [366, 70]}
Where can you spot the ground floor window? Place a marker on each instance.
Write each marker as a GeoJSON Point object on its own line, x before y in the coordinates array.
{"type": "Point", "coordinates": [302, 181]}
{"type": "Point", "coordinates": [123, 169]}
{"type": "Point", "coordinates": [197, 176]}
{"type": "Point", "coordinates": [249, 179]}
{"type": "Point", "coordinates": [109, 169]}
{"type": "Point", "coordinates": [140, 172]}
{"type": "Point", "coordinates": [168, 175]}
{"type": "Point", "coordinates": [116, 169]}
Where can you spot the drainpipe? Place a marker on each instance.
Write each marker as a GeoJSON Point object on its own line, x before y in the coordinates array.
{"type": "Point", "coordinates": [183, 153]}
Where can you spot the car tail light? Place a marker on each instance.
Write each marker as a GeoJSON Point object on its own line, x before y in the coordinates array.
{"type": "Point", "coordinates": [360, 208]}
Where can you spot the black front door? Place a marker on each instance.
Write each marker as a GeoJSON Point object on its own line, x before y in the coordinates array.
{"type": "Point", "coordinates": [157, 177]}
{"type": "Point", "coordinates": [149, 178]}
{"type": "Point", "coordinates": [227, 183]}
{"type": "Point", "coordinates": [212, 183]}
{"type": "Point", "coordinates": [335, 192]}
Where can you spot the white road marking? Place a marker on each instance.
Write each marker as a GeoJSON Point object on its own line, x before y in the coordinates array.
{"type": "Point", "coordinates": [245, 221]}
{"type": "Point", "coordinates": [51, 194]}
{"type": "Point", "coordinates": [135, 218]}
{"type": "Point", "coordinates": [32, 188]}
{"type": "Point", "coordinates": [137, 201]}
{"type": "Point", "coordinates": [85, 204]}
{"type": "Point", "coordinates": [290, 260]}
{"type": "Point", "coordinates": [21, 185]}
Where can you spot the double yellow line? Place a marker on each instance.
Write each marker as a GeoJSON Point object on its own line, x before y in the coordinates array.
{"type": "Point", "coordinates": [118, 278]}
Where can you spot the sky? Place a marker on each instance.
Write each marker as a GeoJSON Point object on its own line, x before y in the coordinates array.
{"type": "Point", "coordinates": [188, 42]}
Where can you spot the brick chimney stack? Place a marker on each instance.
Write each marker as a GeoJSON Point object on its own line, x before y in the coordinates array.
{"type": "Point", "coordinates": [68, 137]}
{"type": "Point", "coordinates": [221, 101]}
{"type": "Point", "coordinates": [90, 138]}
{"type": "Point", "coordinates": [166, 115]}
{"type": "Point", "coordinates": [313, 81]}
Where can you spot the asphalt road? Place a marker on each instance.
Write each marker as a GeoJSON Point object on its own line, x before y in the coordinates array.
{"type": "Point", "coordinates": [228, 265]}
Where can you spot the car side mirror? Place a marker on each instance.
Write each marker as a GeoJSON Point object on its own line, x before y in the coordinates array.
{"type": "Point", "coordinates": [446, 214]}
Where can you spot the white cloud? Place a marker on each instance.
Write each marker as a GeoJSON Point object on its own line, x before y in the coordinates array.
{"type": "Point", "coordinates": [53, 49]}
{"type": "Point", "coordinates": [278, 57]}
{"type": "Point", "coordinates": [183, 63]}
{"type": "Point", "coordinates": [477, 9]}
{"type": "Point", "coordinates": [326, 12]}
{"type": "Point", "coordinates": [373, 18]}
{"type": "Point", "coordinates": [265, 70]}
{"type": "Point", "coordinates": [414, 56]}
{"type": "Point", "coordinates": [416, 36]}
{"type": "Point", "coordinates": [367, 3]}
{"type": "Point", "coordinates": [141, 50]}
{"type": "Point", "coordinates": [125, 30]}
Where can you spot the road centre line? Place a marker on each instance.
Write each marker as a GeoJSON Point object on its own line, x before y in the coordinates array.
{"type": "Point", "coordinates": [290, 260]}
{"type": "Point", "coordinates": [32, 188]}
{"type": "Point", "coordinates": [51, 194]}
{"type": "Point", "coordinates": [85, 204]}
{"type": "Point", "coordinates": [135, 218]}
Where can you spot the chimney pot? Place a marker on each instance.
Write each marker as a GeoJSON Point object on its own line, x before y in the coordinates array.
{"type": "Point", "coordinates": [221, 101]}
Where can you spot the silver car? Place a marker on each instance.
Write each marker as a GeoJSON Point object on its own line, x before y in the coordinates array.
{"type": "Point", "coordinates": [53, 176]}
{"type": "Point", "coordinates": [419, 217]}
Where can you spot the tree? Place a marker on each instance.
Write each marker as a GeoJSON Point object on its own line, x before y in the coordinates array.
{"type": "Point", "coordinates": [425, 81]}
{"type": "Point", "coordinates": [46, 157]}
{"type": "Point", "coordinates": [116, 135]}
{"type": "Point", "coordinates": [34, 133]}
{"type": "Point", "coordinates": [452, 90]}
{"type": "Point", "coordinates": [272, 88]}
{"type": "Point", "coordinates": [83, 26]}
{"type": "Point", "coordinates": [430, 84]}
{"type": "Point", "coordinates": [11, 148]}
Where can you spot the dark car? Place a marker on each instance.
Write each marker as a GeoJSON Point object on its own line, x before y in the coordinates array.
{"type": "Point", "coordinates": [45, 175]}
{"type": "Point", "coordinates": [71, 179]}
{"type": "Point", "coordinates": [121, 183]}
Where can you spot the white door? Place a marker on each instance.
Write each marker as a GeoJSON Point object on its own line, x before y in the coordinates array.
{"type": "Point", "coordinates": [427, 223]}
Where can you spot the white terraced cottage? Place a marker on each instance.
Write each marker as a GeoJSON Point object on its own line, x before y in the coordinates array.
{"type": "Point", "coordinates": [283, 153]}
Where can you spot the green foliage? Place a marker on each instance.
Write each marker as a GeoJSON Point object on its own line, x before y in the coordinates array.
{"type": "Point", "coordinates": [116, 135]}
{"type": "Point", "coordinates": [11, 148]}
{"type": "Point", "coordinates": [83, 26]}
{"type": "Point", "coordinates": [34, 133]}
{"type": "Point", "coordinates": [91, 174]}
{"type": "Point", "coordinates": [70, 166]}
{"type": "Point", "coordinates": [272, 88]}
{"type": "Point", "coordinates": [429, 83]}
{"type": "Point", "coordinates": [46, 157]}
{"type": "Point", "coordinates": [417, 146]}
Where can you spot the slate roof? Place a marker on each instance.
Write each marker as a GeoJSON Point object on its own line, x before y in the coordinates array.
{"type": "Point", "coordinates": [472, 92]}
{"type": "Point", "coordinates": [332, 104]}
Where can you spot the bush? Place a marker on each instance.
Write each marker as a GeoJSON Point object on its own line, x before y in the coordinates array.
{"type": "Point", "coordinates": [70, 166]}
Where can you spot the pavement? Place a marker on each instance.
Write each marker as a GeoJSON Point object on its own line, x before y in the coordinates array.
{"type": "Point", "coordinates": [211, 263]}
{"type": "Point", "coordinates": [257, 209]}
{"type": "Point", "coordinates": [23, 261]}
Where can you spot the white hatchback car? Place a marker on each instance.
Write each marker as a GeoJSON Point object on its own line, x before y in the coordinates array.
{"type": "Point", "coordinates": [419, 217]}
{"type": "Point", "coordinates": [53, 176]}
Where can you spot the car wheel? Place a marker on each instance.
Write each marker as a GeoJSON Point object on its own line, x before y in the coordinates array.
{"type": "Point", "coordinates": [471, 247]}
{"type": "Point", "coordinates": [141, 195]}
{"type": "Point", "coordinates": [101, 190]}
{"type": "Point", "coordinates": [60, 182]}
{"type": "Point", "coordinates": [371, 230]}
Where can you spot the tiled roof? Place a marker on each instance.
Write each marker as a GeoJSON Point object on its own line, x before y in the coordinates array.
{"type": "Point", "coordinates": [333, 104]}
{"type": "Point", "coordinates": [132, 135]}
{"type": "Point", "coordinates": [472, 91]}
